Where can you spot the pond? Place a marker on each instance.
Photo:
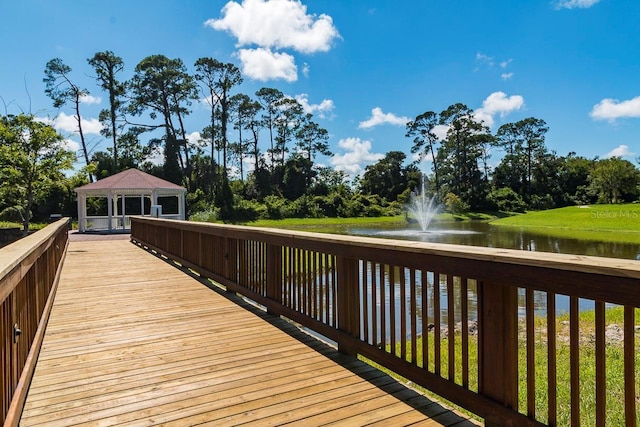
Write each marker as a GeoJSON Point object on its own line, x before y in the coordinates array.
{"type": "Point", "coordinates": [480, 233]}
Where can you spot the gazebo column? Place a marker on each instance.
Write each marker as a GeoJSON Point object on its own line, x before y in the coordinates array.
{"type": "Point", "coordinates": [110, 209]}
{"type": "Point", "coordinates": [82, 203]}
{"type": "Point", "coordinates": [142, 205]}
{"type": "Point", "coordinates": [124, 210]}
{"type": "Point", "coordinates": [181, 205]}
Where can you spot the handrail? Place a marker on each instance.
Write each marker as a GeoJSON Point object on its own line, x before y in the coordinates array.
{"type": "Point", "coordinates": [29, 272]}
{"type": "Point", "coordinates": [380, 298]}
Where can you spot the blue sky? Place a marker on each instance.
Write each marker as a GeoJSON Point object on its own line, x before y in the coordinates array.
{"type": "Point", "coordinates": [362, 67]}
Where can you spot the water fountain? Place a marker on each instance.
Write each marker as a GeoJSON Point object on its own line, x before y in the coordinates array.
{"type": "Point", "coordinates": [422, 207]}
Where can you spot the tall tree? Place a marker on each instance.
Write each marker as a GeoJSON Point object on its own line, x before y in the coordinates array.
{"type": "Point", "coordinates": [239, 106]}
{"type": "Point", "coordinates": [207, 74]}
{"type": "Point", "coordinates": [615, 180]}
{"type": "Point", "coordinates": [32, 161]}
{"type": "Point", "coordinates": [253, 124]}
{"type": "Point", "coordinates": [60, 88]}
{"type": "Point", "coordinates": [163, 87]}
{"type": "Point", "coordinates": [312, 139]}
{"type": "Point", "coordinates": [107, 65]}
{"type": "Point", "coordinates": [525, 145]}
{"type": "Point", "coordinates": [269, 98]}
{"type": "Point", "coordinates": [425, 140]}
{"type": "Point", "coordinates": [387, 178]}
{"type": "Point", "coordinates": [460, 154]}
{"type": "Point", "coordinates": [229, 76]}
{"type": "Point", "coordinates": [287, 123]}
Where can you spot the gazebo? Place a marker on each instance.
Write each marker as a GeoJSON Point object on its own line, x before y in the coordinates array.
{"type": "Point", "coordinates": [130, 192]}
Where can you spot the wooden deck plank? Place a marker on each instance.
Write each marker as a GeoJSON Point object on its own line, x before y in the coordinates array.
{"type": "Point", "coordinates": [132, 340]}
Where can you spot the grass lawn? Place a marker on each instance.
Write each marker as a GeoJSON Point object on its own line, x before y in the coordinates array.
{"type": "Point", "coordinates": [33, 226]}
{"type": "Point", "coordinates": [310, 223]}
{"type": "Point", "coordinates": [326, 224]}
{"type": "Point", "coordinates": [611, 223]}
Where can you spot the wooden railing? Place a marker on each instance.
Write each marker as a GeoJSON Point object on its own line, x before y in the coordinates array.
{"type": "Point", "coordinates": [29, 272]}
{"type": "Point", "coordinates": [415, 307]}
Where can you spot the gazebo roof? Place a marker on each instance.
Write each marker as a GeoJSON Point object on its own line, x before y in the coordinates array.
{"type": "Point", "coordinates": [130, 179]}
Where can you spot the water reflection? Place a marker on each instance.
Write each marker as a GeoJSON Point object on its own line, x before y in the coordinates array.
{"type": "Point", "coordinates": [478, 233]}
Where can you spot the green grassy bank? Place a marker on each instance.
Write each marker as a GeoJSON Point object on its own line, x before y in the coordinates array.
{"type": "Point", "coordinates": [322, 224]}
{"type": "Point", "coordinates": [611, 223]}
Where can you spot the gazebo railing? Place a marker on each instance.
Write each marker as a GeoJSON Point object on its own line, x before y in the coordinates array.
{"type": "Point", "coordinates": [101, 222]}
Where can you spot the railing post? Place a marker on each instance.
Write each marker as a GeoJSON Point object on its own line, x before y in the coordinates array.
{"type": "Point", "coordinates": [498, 376]}
{"type": "Point", "coordinates": [231, 259]}
{"type": "Point", "coordinates": [274, 273]}
{"type": "Point", "coordinates": [348, 301]}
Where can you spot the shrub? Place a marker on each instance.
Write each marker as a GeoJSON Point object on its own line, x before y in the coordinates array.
{"type": "Point", "coordinates": [506, 200]}
{"type": "Point", "coordinates": [209, 215]}
{"type": "Point", "coordinates": [454, 204]}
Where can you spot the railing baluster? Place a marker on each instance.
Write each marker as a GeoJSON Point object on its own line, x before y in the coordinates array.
{"type": "Point", "coordinates": [552, 412]}
{"type": "Point", "coordinates": [364, 295]}
{"type": "Point", "coordinates": [425, 319]}
{"type": "Point", "coordinates": [403, 314]}
{"type": "Point", "coordinates": [383, 309]}
{"type": "Point", "coordinates": [574, 356]}
{"type": "Point", "coordinates": [601, 379]}
{"type": "Point", "coordinates": [531, 353]}
{"type": "Point", "coordinates": [313, 277]}
{"type": "Point", "coordinates": [414, 315]}
{"type": "Point", "coordinates": [629, 366]}
{"type": "Point", "coordinates": [311, 297]}
{"type": "Point", "coordinates": [437, 354]}
{"type": "Point", "coordinates": [464, 308]}
{"type": "Point", "coordinates": [451, 327]}
{"type": "Point", "coordinates": [324, 286]}
{"type": "Point", "coordinates": [374, 304]}
{"type": "Point", "coordinates": [392, 309]}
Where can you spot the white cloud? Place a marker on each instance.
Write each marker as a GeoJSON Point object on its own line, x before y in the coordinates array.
{"type": "Point", "coordinates": [483, 59]}
{"type": "Point", "coordinates": [379, 118]}
{"type": "Point", "coordinates": [263, 64]}
{"type": "Point", "coordinates": [498, 103]}
{"type": "Point", "coordinates": [324, 109]}
{"type": "Point", "coordinates": [504, 64]}
{"type": "Point", "coordinates": [619, 151]}
{"type": "Point", "coordinates": [194, 138]}
{"type": "Point", "coordinates": [506, 76]}
{"type": "Point", "coordinates": [305, 69]}
{"type": "Point", "coordinates": [440, 131]}
{"type": "Point", "coordinates": [611, 109]}
{"type": "Point", "coordinates": [88, 99]}
{"type": "Point", "coordinates": [357, 155]}
{"type": "Point", "coordinates": [71, 145]}
{"type": "Point", "coordinates": [277, 24]}
{"type": "Point", "coordinates": [68, 123]}
{"type": "Point", "coordinates": [573, 4]}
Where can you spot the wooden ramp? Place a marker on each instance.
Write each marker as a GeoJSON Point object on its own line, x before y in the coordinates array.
{"type": "Point", "coordinates": [132, 340]}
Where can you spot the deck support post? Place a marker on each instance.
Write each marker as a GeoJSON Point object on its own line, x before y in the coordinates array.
{"type": "Point", "coordinates": [348, 302]}
{"type": "Point", "coordinates": [274, 274]}
{"type": "Point", "coordinates": [231, 259]}
{"type": "Point", "coordinates": [498, 376]}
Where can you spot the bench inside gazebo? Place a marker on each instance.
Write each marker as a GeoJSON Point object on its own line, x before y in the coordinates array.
{"type": "Point", "coordinates": [107, 204]}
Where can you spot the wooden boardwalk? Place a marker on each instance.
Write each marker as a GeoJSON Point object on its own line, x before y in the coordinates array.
{"type": "Point", "coordinates": [134, 341]}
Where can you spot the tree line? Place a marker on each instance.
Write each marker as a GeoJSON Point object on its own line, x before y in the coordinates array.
{"type": "Point", "coordinates": [269, 130]}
